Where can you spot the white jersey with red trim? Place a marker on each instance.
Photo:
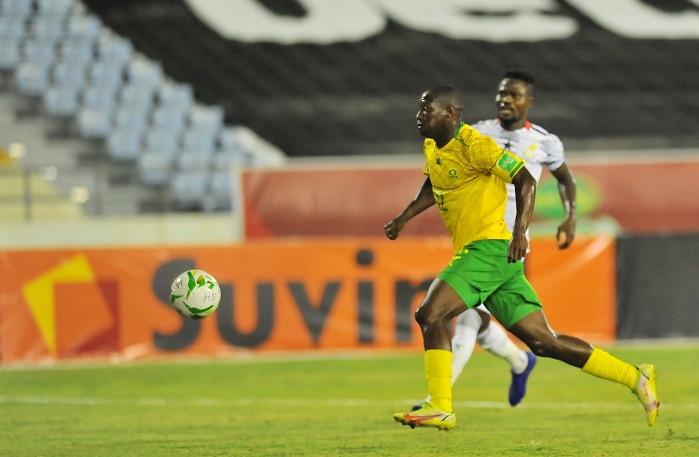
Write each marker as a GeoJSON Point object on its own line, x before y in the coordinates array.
{"type": "Point", "coordinates": [534, 144]}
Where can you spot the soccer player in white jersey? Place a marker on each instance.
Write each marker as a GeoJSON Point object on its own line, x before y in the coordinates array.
{"type": "Point", "coordinates": [513, 131]}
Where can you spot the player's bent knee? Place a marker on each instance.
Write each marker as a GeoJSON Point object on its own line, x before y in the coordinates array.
{"type": "Point", "coordinates": [430, 315]}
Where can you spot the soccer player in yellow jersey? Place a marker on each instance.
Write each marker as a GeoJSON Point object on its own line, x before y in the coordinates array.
{"type": "Point", "coordinates": [466, 177]}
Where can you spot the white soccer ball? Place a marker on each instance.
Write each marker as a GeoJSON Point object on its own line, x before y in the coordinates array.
{"type": "Point", "coordinates": [195, 294]}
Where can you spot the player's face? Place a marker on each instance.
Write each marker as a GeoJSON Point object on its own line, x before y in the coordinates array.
{"type": "Point", "coordinates": [431, 118]}
{"type": "Point", "coordinates": [513, 101]}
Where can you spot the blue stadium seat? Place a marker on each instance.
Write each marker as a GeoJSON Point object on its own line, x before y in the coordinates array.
{"type": "Point", "coordinates": [168, 119]}
{"type": "Point", "coordinates": [112, 48]}
{"type": "Point", "coordinates": [154, 168]}
{"type": "Point", "coordinates": [189, 190]}
{"type": "Point", "coordinates": [175, 96]}
{"type": "Point", "coordinates": [124, 144]}
{"type": "Point", "coordinates": [32, 78]}
{"type": "Point", "coordinates": [221, 189]}
{"type": "Point", "coordinates": [134, 118]}
{"type": "Point", "coordinates": [229, 139]}
{"type": "Point", "coordinates": [99, 96]}
{"type": "Point", "coordinates": [94, 123]}
{"type": "Point", "coordinates": [12, 27]}
{"type": "Point", "coordinates": [162, 141]}
{"type": "Point", "coordinates": [202, 141]}
{"type": "Point", "coordinates": [57, 8]}
{"type": "Point", "coordinates": [144, 72]}
{"type": "Point", "coordinates": [85, 26]}
{"type": "Point", "coordinates": [61, 101]}
{"type": "Point", "coordinates": [137, 95]}
{"type": "Point", "coordinates": [10, 56]}
{"type": "Point", "coordinates": [106, 73]}
{"type": "Point", "coordinates": [206, 118]}
{"type": "Point", "coordinates": [69, 74]}
{"type": "Point", "coordinates": [192, 160]}
{"type": "Point", "coordinates": [76, 50]}
{"type": "Point", "coordinates": [47, 27]}
{"type": "Point", "coordinates": [17, 8]}
{"type": "Point", "coordinates": [39, 50]}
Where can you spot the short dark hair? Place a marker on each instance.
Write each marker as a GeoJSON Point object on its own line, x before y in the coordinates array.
{"type": "Point", "coordinates": [448, 94]}
{"type": "Point", "coordinates": [520, 76]}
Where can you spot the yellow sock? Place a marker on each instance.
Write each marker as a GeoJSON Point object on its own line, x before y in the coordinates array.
{"type": "Point", "coordinates": [438, 373]}
{"type": "Point", "coordinates": [606, 366]}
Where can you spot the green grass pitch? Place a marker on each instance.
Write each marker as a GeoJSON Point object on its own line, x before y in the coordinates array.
{"type": "Point", "coordinates": [341, 405]}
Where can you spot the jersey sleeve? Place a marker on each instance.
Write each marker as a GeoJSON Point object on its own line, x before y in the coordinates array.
{"type": "Point", "coordinates": [484, 152]}
{"type": "Point", "coordinates": [553, 147]}
{"type": "Point", "coordinates": [487, 155]}
{"type": "Point", "coordinates": [507, 166]}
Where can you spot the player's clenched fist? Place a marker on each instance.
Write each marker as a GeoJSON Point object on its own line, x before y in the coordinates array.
{"type": "Point", "coordinates": [393, 228]}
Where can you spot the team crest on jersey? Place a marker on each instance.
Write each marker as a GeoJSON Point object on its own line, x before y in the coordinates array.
{"type": "Point", "coordinates": [530, 151]}
{"type": "Point", "coordinates": [452, 175]}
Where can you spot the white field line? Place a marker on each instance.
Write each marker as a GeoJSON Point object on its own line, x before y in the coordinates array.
{"type": "Point", "coordinates": [253, 357]}
{"type": "Point", "coordinates": [45, 400]}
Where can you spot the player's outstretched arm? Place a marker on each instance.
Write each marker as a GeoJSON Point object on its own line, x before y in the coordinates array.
{"type": "Point", "coordinates": [423, 200]}
{"type": "Point", "coordinates": [568, 192]}
{"type": "Point", "coordinates": [525, 194]}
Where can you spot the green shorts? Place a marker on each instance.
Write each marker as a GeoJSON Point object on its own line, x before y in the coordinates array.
{"type": "Point", "coordinates": [479, 273]}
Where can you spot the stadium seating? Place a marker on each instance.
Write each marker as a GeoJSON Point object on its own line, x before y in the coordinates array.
{"type": "Point", "coordinates": [60, 57]}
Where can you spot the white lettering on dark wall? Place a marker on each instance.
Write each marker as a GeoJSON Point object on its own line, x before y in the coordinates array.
{"type": "Point", "coordinates": [635, 19]}
{"type": "Point", "coordinates": [334, 21]}
{"type": "Point", "coordinates": [326, 21]}
{"type": "Point", "coordinates": [495, 21]}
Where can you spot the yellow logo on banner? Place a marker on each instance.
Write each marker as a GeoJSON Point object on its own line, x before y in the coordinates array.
{"type": "Point", "coordinates": [39, 294]}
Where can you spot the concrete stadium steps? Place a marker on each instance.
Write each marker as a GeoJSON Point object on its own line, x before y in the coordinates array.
{"type": "Point", "coordinates": [71, 161]}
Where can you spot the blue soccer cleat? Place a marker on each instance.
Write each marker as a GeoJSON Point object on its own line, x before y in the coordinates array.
{"type": "Point", "coordinates": [518, 387]}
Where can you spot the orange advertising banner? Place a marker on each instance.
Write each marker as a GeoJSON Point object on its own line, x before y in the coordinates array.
{"type": "Point", "coordinates": [276, 296]}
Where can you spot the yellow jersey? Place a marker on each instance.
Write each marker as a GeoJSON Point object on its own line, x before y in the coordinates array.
{"type": "Point", "coordinates": [469, 176]}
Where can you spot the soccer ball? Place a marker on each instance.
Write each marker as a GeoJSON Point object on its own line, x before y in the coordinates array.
{"type": "Point", "coordinates": [195, 294]}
